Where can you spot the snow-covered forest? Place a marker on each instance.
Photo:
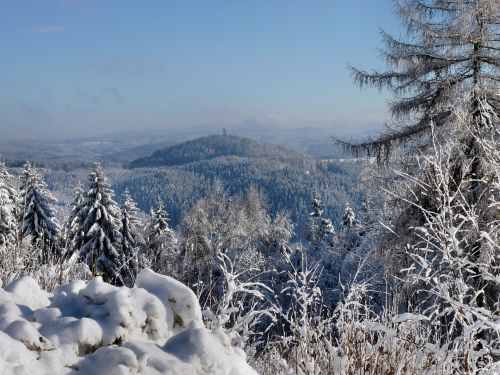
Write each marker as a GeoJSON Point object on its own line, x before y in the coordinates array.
{"type": "Point", "coordinates": [287, 178]}
{"type": "Point", "coordinates": [400, 275]}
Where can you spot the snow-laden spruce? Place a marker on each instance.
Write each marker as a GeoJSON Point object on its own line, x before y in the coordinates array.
{"type": "Point", "coordinates": [320, 231]}
{"type": "Point", "coordinates": [37, 216]}
{"type": "Point", "coordinates": [349, 218]}
{"type": "Point", "coordinates": [99, 219]}
{"type": "Point", "coordinates": [96, 328]}
{"type": "Point", "coordinates": [161, 240]}
{"type": "Point", "coordinates": [8, 220]}
{"type": "Point", "coordinates": [131, 238]}
{"type": "Point", "coordinates": [8, 200]}
{"type": "Point", "coordinates": [73, 223]}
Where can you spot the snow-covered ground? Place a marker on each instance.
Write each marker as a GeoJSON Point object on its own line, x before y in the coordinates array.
{"type": "Point", "coordinates": [96, 328]}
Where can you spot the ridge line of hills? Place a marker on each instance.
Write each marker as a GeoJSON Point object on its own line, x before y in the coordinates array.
{"type": "Point", "coordinates": [212, 147]}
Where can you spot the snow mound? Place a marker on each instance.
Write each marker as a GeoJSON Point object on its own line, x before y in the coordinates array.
{"type": "Point", "coordinates": [97, 328]}
{"type": "Point", "coordinates": [174, 295]}
{"type": "Point", "coordinates": [26, 291]}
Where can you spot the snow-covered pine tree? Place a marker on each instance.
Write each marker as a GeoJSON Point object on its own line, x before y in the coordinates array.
{"type": "Point", "coordinates": [37, 219]}
{"type": "Point", "coordinates": [349, 218]}
{"type": "Point", "coordinates": [73, 227]}
{"type": "Point", "coordinates": [8, 211]}
{"type": "Point", "coordinates": [348, 252]}
{"type": "Point", "coordinates": [132, 240]}
{"type": "Point", "coordinates": [8, 221]}
{"type": "Point", "coordinates": [317, 207]}
{"type": "Point", "coordinates": [327, 232]}
{"type": "Point", "coordinates": [319, 231]}
{"type": "Point", "coordinates": [313, 222]}
{"type": "Point", "coordinates": [101, 238]}
{"type": "Point", "coordinates": [161, 241]}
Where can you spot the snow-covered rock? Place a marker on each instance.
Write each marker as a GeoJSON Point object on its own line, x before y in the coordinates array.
{"type": "Point", "coordinates": [96, 328]}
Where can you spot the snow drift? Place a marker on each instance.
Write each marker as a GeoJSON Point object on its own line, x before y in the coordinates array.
{"type": "Point", "coordinates": [96, 328]}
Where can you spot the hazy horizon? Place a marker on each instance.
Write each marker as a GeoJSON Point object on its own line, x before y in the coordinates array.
{"type": "Point", "coordinates": [76, 69]}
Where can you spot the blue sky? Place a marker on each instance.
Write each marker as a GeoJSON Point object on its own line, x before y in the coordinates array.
{"type": "Point", "coordinates": [73, 68]}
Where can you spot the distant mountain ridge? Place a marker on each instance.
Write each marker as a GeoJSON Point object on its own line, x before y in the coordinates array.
{"type": "Point", "coordinates": [214, 146]}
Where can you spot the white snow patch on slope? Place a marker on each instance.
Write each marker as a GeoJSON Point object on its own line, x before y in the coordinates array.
{"type": "Point", "coordinates": [96, 328]}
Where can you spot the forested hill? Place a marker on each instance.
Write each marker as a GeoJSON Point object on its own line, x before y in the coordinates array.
{"type": "Point", "coordinates": [211, 147]}
{"type": "Point", "coordinates": [181, 174]}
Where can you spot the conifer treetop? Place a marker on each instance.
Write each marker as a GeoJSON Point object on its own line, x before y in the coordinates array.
{"type": "Point", "coordinates": [450, 59]}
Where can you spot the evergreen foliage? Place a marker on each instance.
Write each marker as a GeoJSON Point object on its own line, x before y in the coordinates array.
{"type": "Point", "coordinates": [320, 231]}
{"type": "Point", "coordinates": [37, 219]}
{"type": "Point", "coordinates": [349, 219]}
{"type": "Point", "coordinates": [211, 147]}
{"type": "Point", "coordinates": [74, 222]}
{"type": "Point", "coordinates": [410, 286]}
{"type": "Point", "coordinates": [8, 214]}
{"type": "Point", "coordinates": [449, 60]}
{"type": "Point", "coordinates": [161, 241]}
{"type": "Point", "coordinates": [100, 230]}
{"type": "Point", "coordinates": [286, 182]}
{"type": "Point", "coordinates": [132, 241]}
{"type": "Point", "coordinates": [442, 247]}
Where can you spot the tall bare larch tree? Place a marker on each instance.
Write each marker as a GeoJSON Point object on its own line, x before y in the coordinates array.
{"type": "Point", "coordinates": [444, 232]}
